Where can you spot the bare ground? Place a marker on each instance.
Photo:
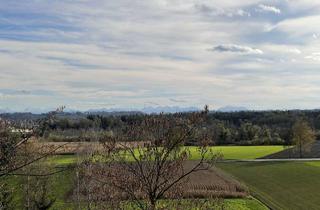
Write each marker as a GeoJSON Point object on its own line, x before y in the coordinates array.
{"type": "Point", "coordinates": [212, 183]}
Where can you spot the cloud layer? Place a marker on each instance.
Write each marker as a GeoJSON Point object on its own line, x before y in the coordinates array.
{"type": "Point", "coordinates": [266, 8]}
{"type": "Point", "coordinates": [237, 49]}
{"type": "Point", "coordinates": [131, 54]}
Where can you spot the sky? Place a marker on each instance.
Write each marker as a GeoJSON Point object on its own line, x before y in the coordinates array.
{"type": "Point", "coordinates": [129, 54]}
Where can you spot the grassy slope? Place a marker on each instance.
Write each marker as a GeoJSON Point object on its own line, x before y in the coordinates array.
{"type": "Point", "coordinates": [241, 152]}
{"type": "Point", "coordinates": [228, 204]}
{"type": "Point", "coordinates": [229, 152]}
{"type": "Point", "coordinates": [285, 185]}
{"type": "Point", "coordinates": [64, 182]}
{"type": "Point", "coordinates": [244, 204]}
{"type": "Point", "coordinates": [63, 159]}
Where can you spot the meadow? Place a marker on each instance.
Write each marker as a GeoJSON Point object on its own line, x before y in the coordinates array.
{"type": "Point", "coordinates": [64, 185]}
{"type": "Point", "coordinates": [228, 152]}
{"type": "Point", "coordinates": [211, 183]}
{"type": "Point", "coordinates": [61, 188]}
{"type": "Point", "coordinates": [240, 152]}
{"type": "Point", "coordinates": [280, 185]}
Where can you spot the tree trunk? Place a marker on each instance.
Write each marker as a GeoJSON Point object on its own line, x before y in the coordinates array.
{"type": "Point", "coordinates": [300, 150]}
{"type": "Point", "coordinates": [78, 183]}
{"type": "Point", "coordinates": [152, 205]}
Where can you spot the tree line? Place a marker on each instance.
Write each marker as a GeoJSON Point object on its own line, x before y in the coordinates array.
{"type": "Point", "coordinates": [124, 177]}
{"type": "Point", "coordinates": [226, 128]}
{"type": "Point", "coordinates": [140, 177]}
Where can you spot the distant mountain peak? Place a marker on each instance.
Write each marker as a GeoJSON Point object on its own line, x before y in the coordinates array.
{"type": "Point", "coordinates": [149, 109]}
{"type": "Point", "coordinates": [146, 109]}
{"type": "Point", "coordinates": [232, 109]}
{"type": "Point", "coordinates": [4, 110]}
{"type": "Point", "coordinates": [168, 109]}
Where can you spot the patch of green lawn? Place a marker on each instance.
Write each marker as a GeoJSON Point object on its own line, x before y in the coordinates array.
{"type": "Point", "coordinates": [63, 159]}
{"type": "Point", "coordinates": [240, 152]}
{"type": "Point", "coordinates": [281, 185]}
{"type": "Point", "coordinates": [226, 204]}
{"type": "Point", "coordinates": [63, 189]}
{"type": "Point", "coordinates": [228, 152]}
{"type": "Point", "coordinates": [62, 186]}
{"type": "Point", "coordinates": [244, 204]}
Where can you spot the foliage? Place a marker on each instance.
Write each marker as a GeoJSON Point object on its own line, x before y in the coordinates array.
{"type": "Point", "coordinates": [14, 136]}
{"type": "Point", "coordinates": [157, 168]}
{"type": "Point", "coordinates": [236, 128]}
{"type": "Point", "coordinates": [8, 150]}
{"type": "Point", "coordinates": [37, 188]}
{"type": "Point", "coordinates": [303, 135]}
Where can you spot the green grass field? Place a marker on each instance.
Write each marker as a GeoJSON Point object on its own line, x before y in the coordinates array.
{"type": "Point", "coordinates": [229, 152]}
{"type": "Point", "coordinates": [281, 185]}
{"type": "Point", "coordinates": [244, 204]}
{"type": "Point", "coordinates": [227, 204]}
{"type": "Point", "coordinates": [240, 152]}
{"type": "Point", "coordinates": [63, 159]}
{"type": "Point", "coordinates": [63, 182]}
{"type": "Point", "coordinates": [63, 185]}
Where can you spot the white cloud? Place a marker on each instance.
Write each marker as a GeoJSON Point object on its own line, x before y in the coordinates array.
{"type": "Point", "coordinates": [314, 56]}
{"type": "Point", "coordinates": [303, 5]}
{"type": "Point", "coordinates": [267, 8]}
{"type": "Point", "coordinates": [97, 53]}
{"type": "Point", "coordinates": [236, 49]}
{"type": "Point", "coordinates": [302, 29]}
{"type": "Point", "coordinates": [178, 100]}
{"type": "Point", "coordinates": [219, 11]}
{"type": "Point", "coordinates": [294, 51]}
{"type": "Point", "coordinates": [241, 12]}
{"type": "Point", "coordinates": [315, 36]}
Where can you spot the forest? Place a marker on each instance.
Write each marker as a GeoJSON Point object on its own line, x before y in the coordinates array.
{"type": "Point", "coordinates": [226, 128]}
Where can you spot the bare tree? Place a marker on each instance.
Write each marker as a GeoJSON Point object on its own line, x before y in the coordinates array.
{"type": "Point", "coordinates": [303, 135]}
{"type": "Point", "coordinates": [14, 135]}
{"type": "Point", "coordinates": [8, 147]}
{"type": "Point", "coordinates": [41, 195]}
{"type": "Point", "coordinates": [145, 174]}
{"type": "Point", "coordinates": [36, 180]}
{"type": "Point", "coordinates": [16, 155]}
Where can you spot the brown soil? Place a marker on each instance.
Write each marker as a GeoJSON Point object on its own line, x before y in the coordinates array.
{"type": "Point", "coordinates": [212, 183]}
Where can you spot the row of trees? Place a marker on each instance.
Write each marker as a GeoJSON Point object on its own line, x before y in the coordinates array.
{"type": "Point", "coordinates": [122, 175]}
{"type": "Point", "coordinates": [240, 128]}
{"type": "Point", "coordinates": [138, 177]}
{"type": "Point", "coordinates": [155, 171]}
